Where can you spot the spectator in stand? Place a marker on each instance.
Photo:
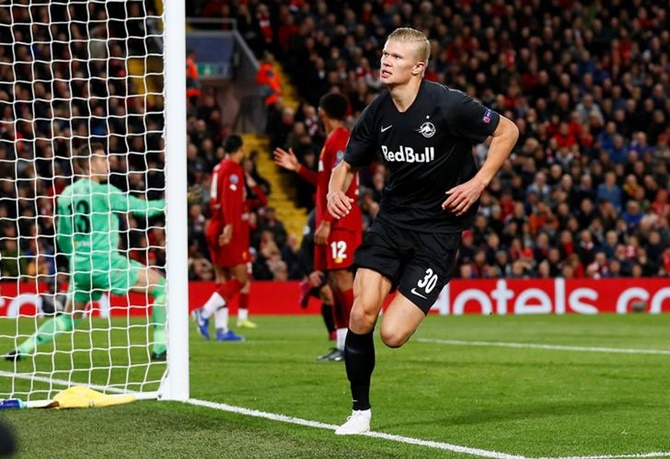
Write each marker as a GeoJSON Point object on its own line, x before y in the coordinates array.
{"type": "Point", "coordinates": [632, 216]}
{"type": "Point", "coordinates": [14, 263]}
{"type": "Point", "coordinates": [268, 80]}
{"type": "Point", "coordinates": [661, 207]}
{"type": "Point", "coordinates": [618, 151]}
{"type": "Point", "coordinates": [587, 109]}
{"type": "Point", "coordinates": [609, 191]}
{"type": "Point", "coordinates": [539, 186]}
{"type": "Point", "coordinates": [270, 223]}
{"type": "Point", "coordinates": [192, 78]}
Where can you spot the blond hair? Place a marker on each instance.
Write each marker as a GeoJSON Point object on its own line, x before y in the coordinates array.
{"type": "Point", "coordinates": [82, 157]}
{"type": "Point", "coordinates": [413, 35]}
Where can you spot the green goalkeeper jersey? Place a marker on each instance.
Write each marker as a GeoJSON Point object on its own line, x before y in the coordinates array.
{"type": "Point", "coordinates": [87, 226]}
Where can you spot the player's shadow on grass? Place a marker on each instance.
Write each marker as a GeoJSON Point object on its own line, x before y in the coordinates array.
{"type": "Point", "coordinates": [536, 411]}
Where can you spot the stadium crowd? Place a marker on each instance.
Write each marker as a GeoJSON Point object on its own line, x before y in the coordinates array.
{"type": "Point", "coordinates": [585, 193]}
{"type": "Point", "coordinates": [59, 91]}
{"type": "Point", "coordinates": [56, 97]}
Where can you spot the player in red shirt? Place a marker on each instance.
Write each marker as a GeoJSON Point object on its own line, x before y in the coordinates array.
{"type": "Point", "coordinates": [228, 240]}
{"type": "Point", "coordinates": [335, 240]}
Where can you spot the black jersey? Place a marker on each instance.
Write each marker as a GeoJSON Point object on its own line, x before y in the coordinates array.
{"type": "Point", "coordinates": [427, 149]}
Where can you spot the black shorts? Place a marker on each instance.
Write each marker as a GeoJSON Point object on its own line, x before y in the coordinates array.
{"type": "Point", "coordinates": [418, 264]}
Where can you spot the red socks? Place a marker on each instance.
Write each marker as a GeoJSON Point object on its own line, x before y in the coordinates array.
{"type": "Point", "coordinates": [228, 289]}
{"type": "Point", "coordinates": [244, 301]}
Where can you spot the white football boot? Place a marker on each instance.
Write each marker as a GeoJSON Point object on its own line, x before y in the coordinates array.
{"type": "Point", "coordinates": [357, 423]}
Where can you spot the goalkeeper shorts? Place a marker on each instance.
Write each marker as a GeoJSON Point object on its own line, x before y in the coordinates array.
{"type": "Point", "coordinates": [116, 275]}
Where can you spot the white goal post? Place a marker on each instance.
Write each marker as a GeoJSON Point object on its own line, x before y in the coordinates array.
{"type": "Point", "coordinates": [83, 72]}
{"type": "Point", "coordinates": [176, 385]}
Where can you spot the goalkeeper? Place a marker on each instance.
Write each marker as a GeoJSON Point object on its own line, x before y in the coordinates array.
{"type": "Point", "coordinates": [87, 230]}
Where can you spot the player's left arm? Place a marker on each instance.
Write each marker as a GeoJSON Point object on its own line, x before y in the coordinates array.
{"type": "Point", "coordinates": [503, 140]}
{"type": "Point", "coordinates": [124, 202]}
{"type": "Point", "coordinates": [461, 197]}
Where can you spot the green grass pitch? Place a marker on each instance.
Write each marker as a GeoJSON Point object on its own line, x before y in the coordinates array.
{"type": "Point", "coordinates": [529, 402]}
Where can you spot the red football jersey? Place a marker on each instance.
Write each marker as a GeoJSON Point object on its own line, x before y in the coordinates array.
{"type": "Point", "coordinates": [331, 155]}
{"type": "Point", "coordinates": [227, 199]}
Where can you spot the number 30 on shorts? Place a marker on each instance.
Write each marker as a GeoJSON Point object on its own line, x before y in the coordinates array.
{"type": "Point", "coordinates": [429, 282]}
{"type": "Point", "coordinates": [339, 250]}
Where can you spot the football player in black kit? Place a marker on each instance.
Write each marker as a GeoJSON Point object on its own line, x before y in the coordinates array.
{"type": "Point", "coordinates": [425, 133]}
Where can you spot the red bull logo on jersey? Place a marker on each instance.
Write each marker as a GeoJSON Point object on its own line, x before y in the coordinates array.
{"type": "Point", "coordinates": [408, 155]}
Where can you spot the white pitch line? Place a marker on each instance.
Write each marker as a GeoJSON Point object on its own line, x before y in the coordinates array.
{"type": "Point", "coordinates": [401, 439]}
{"type": "Point", "coordinates": [546, 347]}
{"type": "Point", "coordinates": [385, 436]}
{"type": "Point", "coordinates": [614, 456]}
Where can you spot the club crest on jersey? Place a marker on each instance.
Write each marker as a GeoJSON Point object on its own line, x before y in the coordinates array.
{"type": "Point", "coordinates": [427, 130]}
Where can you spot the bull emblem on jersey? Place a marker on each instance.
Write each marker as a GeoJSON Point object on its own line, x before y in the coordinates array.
{"type": "Point", "coordinates": [427, 130]}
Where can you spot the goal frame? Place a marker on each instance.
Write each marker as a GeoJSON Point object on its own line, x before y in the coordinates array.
{"type": "Point", "coordinates": [175, 384]}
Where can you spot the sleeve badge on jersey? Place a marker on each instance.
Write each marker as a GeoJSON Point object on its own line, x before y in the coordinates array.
{"type": "Point", "coordinates": [234, 180]}
{"type": "Point", "coordinates": [339, 157]}
{"type": "Point", "coordinates": [487, 116]}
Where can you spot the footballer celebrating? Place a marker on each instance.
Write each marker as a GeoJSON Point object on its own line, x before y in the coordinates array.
{"type": "Point", "coordinates": [425, 133]}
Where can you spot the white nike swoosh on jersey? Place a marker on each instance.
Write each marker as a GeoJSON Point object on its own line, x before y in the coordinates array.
{"type": "Point", "coordinates": [384, 129]}
{"type": "Point", "coordinates": [418, 294]}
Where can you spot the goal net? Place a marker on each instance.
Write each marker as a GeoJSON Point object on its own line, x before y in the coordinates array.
{"type": "Point", "coordinates": [77, 73]}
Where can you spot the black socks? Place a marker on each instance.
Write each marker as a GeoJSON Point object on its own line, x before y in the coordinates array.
{"type": "Point", "coordinates": [327, 314]}
{"type": "Point", "coordinates": [359, 358]}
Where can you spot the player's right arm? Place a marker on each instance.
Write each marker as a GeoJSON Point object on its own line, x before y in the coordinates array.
{"type": "Point", "coordinates": [339, 204]}
{"type": "Point", "coordinates": [361, 149]}
{"type": "Point", "coordinates": [288, 161]}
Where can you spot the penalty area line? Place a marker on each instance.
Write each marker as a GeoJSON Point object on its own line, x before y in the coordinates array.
{"type": "Point", "coordinates": [546, 347]}
{"type": "Point", "coordinates": [402, 439]}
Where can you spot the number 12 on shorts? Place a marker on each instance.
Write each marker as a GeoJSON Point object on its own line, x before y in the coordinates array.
{"type": "Point", "coordinates": [427, 283]}
{"type": "Point", "coordinates": [339, 250]}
